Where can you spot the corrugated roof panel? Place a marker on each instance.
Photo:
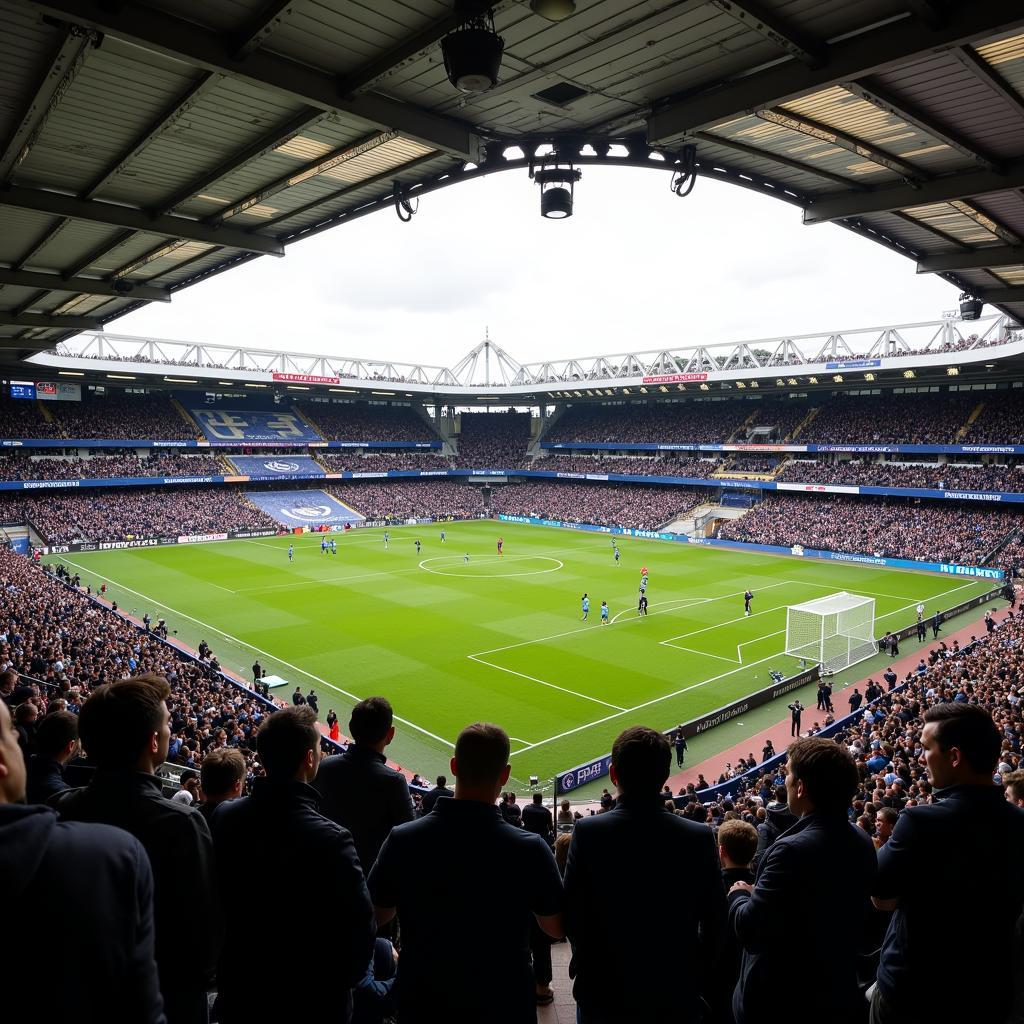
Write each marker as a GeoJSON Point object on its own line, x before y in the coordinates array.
{"type": "Point", "coordinates": [950, 221]}
{"type": "Point", "coordinates": [383, 158]}
{"type": "Point", "coordinates": [1007, 207]}
{"type": "Point", "coordinates": [1010, 275]}
{"type": "Point", "coordinates": [20, 229]}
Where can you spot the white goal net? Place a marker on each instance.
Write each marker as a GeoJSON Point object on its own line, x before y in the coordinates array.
{"type": "Point", "coordinates": [834, 632]}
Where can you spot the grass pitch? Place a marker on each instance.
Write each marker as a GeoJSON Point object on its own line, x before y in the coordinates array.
{"type": "Point", "coordinates": [498, 638]}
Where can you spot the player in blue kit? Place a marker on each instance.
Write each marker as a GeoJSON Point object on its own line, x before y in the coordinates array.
{"type": "Point", "coordinates": [442, 536]}
{"type": "Point", "coordinates": [334, 546]}
{"type": "Point", "coordinates": [291, 553]}
{"type": "Point", "coordinates": [604, 613]}
{"type": "Point", "coordinates": [615, 549]}
{"type": "Point", "coordinates": [323, 545]}
{"type": "Point", "coordinates": [586, 607]}
{"type": "Point", "coordinates": [385, 539]}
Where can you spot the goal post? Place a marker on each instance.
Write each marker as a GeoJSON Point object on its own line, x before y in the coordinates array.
{"type": "Point", "coordinates": [834, 632]}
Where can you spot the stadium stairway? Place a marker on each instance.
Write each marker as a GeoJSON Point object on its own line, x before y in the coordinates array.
{"type": "Point", "coordinates": [43, 411]}
{"type": "Point", "coordinates": [305, 419]}
{"type": "Point", "coordinates": [975, 413]}
{"type": "Point", "coordinates": [187, 417]}
{"type": "Point", "coordinates": [742, 428]}
{"type": "Point", "coordinates": [803, 424]}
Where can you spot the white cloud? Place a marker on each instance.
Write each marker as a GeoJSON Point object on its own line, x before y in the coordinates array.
{"type": "Point", "coordinates": [635, 268]}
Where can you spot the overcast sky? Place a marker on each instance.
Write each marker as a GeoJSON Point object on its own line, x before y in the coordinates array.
{"type": "Point", "coordinates": [635, 268]}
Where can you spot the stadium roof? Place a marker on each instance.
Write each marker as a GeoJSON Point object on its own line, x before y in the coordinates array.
{"type": "Point", "coordinates": [145, 147]}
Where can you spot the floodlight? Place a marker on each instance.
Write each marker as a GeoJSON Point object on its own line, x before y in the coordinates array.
{"type": "Point", "coordinates": [970, 307]}
{"type": "Point", "coordinates": [472, 54]}
{"type": "Point", "coordinates": [556, 190]}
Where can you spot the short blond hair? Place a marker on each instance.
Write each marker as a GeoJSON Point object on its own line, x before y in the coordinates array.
{"type": "Point", "coordinates": [739, 840]}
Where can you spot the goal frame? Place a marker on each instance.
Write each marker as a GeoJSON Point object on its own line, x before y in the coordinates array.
{"type": "Point", "coordinates": [833, 632]}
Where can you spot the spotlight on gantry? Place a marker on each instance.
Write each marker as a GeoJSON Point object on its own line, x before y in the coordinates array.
{"type": "Point", "coordinates": [472, 53]}
{"type": "Point", "coordinates": [556, 189]}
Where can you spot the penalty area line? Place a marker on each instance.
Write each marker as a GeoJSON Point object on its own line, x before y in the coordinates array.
{"type": "Point", "coordinates": [543, 682]}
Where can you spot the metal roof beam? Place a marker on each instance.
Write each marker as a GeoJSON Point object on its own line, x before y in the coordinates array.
{"type": "Point", "coordinates": [309, 117]}
{"type": "Point", "coordinates": [867, 53]}
{"type": "Point", "coordinates": [826, 133]}
{"type": "Point", "coordinates": [201, 47]}
{"type": "Point", "coordinates": [973, 259]}
{"type": "Point", "coordinates": [775, 29]}
{"type": "Point", "coordinates": [778, 158]}
{"type": "Point", "coordinates": [63, 67]}
{"type": "Point", "coordinates": [878, 97]}
{"type": "Point", "coordinates": [257, 31]}
{"type": "Point", "coordinates": [901, 197]}
{"type": "Point", "coordinates": [78, 323]}
{"type": "Point", "coordinates": [408, 51]}
{"type": "Point", "coordinates": [113, 215]}
{"type": "Point", "coordinates": [981, 69]}
{"type": "Point", "coordinates": [79, 285]}
{"type": "Point", "coordinates": [98, 253]}
{"type": "Point", "coordinates": [997, 296]}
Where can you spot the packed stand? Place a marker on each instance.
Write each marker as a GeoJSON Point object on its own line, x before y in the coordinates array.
{"type": "Point", "coordinates": [628, 465]}
{"type": "Point", "coordinates": [22, 466]}
{"type": "Point", "coordinates": [890, 419]}
{"type": "Point", "coordinates": [1001, 420]}
{"type": "Point", "coordinates": [939, 476]}
{"type": "Point", "coordinates": [139, 512]}
{"type": "Point", "coordinates": [123, 418]}
{"type": "Point", "coordinates": [671, 423]}
{"type": "Point", "coordinates": [947, 533]}
{"type": "Point", "coordinates": [751, 462]}
{"type": "Point", "coordinates": [358, 421]}
{"type": "Point", "coordinates": [632, 506]}
{"type": "Point", "coordinates": [492, 440]}
{"type": "Point", "coordinates": [381, 462]}
{"type": "Point", "coordinates": [22, 418]}
{"type": "Point", "coordinates": [397, 501]}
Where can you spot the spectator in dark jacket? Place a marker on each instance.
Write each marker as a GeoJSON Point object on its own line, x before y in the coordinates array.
{"type": "Point", "coordinates": [282, 822]}
{"type": "Point", "coordinates": [221, 777]}
{"type": "Point", "coordinates": [537, 819]}
{"type": "Point", "coordinates": [56, 743]}
{"type": "Point", "coordinates": [808, 906]}
{"type": "Point", "coordinates": [963, 905]}
{"type": "Point", "coordinates": [93, 879]}
{"type": "Point", "coordinates": [439, 791]}
{"type": "Point", "coordinates": [777, 820]}
{"type": "Point", "coordinates": [358, 790]}
{"type": "Point", "coordinates": [125, 732]}
{"type": "Point", "coordinates": [614, 895]}
{"type": "Point", "coordinates": [737, 843]}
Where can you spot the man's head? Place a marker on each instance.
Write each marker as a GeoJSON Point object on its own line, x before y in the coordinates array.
{"type": "Point", "coordinates": [641, 761]}
{"type": "Point", "coordinates": [538, 798]}
{"type": "Point", "coordinates": [820, 777]}
{"type": "Point", "coordinates": [288, 743]}
{"type": "Point", "coordinates": [222, 774]}
{"type": "Point", "coordinates": [1014, 783]}
{"type": "Point", "coordinates": [737, 843]}
{"type": "Point", "coordinates": [480, 764]}
{"type": "Point", "coordinates": [125, 726]}
{"type": "Point", "coordinates": [442, 781]}
{"type": "Point", "coordinates": [57, 736]}
{"type": "Point", "coordinates": [8, 681]}
{"type": "Point", "coordinates": [371, 723]}
{"type": "Point", "coordinates": [12, 762]}
{"type": "Point", "coordinates": [961, 745]}
{"type": "Point", "coordinates": [886, 822]}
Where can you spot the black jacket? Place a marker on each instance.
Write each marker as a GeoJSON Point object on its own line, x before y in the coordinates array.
{"type": "Point", "coordinates": [280, 827]}
{"type": "Point", "coordinates": [804, 922]}
{"type": "Point", "coordinates": [180, 850]}
{"type": "Point", "coordinates": [45, 779]}
{"type": "Point", "coordinates": [64, 880]}
{"type": "Point", "coordinates": [537, 819]}
{"type": "Point", "coordinates": [362, 794]}
{"type": "Point", "coordinates": [431, 798]}
{"type": "Point", "coordinates": [625, 936]}
{"type": "Point", "coordinates": [777, 820]}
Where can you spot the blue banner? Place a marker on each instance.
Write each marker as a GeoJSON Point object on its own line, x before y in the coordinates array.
{"type": "Point", "coordinates": [92, 442]}
{"type": "Point", "coordinates": [853, 364]}
{"type": "Point", "coordinates": [241, 426]}
{"type": "Point", "coordinates": [279, 465]}
{"type": "Point", "coordinates": [863, 449]}
{"type": "Point", "coordinates": [303, 508]}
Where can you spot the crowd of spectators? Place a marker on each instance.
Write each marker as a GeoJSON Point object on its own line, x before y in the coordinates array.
{"type": "Point", "coordinates": [381, 462]}
{"type": "Point", "coordinates": [360, 421]}
{"type": "Point", "coordinates": [629, 465]}
{"type": "Point", "coordinates": [489, 440]}
{"type": "Point", "coordinates": [19, 465]}
{"type": "Point", "coordinates": [952, 532]}
{"type": "Point", "coordinates": [139, 512]}
{"type": "Point", "coordinates": [934, 476]}
{"type": "Point", "coordinates": [122, 417]}
{"type": "Point", "coordinates": [890, 419]}
{"type": "Point", "coordinates": [1001, 420]}
{"type": "Point", "coordinates": [398, 500]}
{"type": "Point", "coordinates": [631, 506]}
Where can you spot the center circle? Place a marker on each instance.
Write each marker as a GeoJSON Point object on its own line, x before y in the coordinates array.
{"type": "Point", "coordinates": [455, 564]}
